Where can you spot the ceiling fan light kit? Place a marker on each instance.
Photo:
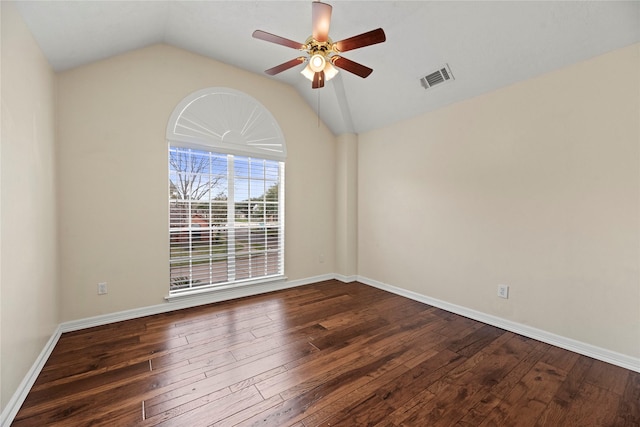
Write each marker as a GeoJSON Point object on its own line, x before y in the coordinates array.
{"type": "Point", "coordinates": [317, 63]}
{"type": "Point", "coordinates": [322, 57]}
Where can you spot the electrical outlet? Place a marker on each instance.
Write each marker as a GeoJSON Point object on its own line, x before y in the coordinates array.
{"type": "Point", "coordinates": [503, 291]}
{"type": "Point", "coordinates": [102, 288]}
{"type": "Point", "coordinates": [321, 258]}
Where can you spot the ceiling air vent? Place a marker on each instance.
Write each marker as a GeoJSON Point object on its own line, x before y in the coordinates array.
{"type": "Point", "coordinates": [437, 77]}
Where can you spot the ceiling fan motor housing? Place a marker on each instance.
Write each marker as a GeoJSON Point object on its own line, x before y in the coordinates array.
{"type": "Point", "coordinates": [318, 53]}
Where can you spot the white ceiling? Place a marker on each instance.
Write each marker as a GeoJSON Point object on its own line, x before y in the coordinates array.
{"type": "Point", "coordinates": [487, 45]}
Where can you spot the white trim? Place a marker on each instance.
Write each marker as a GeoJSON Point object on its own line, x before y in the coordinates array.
{"type": "Point", "coordinates": [609, 356]}
{"type": "Point", "coordinates": [213, 289]}
{"type": "Point", "coordinates": [346, 279]}
{"type": "Point", "coordinates": [16, 401]}
{"type": "Point", "coordinates": [13, 406]}
{"type": "Point", "coordinates": [188, 301]}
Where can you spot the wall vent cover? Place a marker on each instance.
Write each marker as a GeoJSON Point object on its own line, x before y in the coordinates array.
{"type": "Point", "coordinates": [437, 77]}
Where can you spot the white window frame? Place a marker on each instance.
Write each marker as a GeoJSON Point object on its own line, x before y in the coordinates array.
{"type": "Point", "coordinates": [226, 122]}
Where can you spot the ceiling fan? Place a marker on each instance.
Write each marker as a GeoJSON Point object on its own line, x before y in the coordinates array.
{"type": "Point", "coordinates": [323, 54]}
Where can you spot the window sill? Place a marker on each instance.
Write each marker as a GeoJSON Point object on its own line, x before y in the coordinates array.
{"type": "Point", "coordinates": [234, 290]}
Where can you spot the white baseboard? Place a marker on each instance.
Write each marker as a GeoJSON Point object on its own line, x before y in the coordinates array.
{"type": "Point", "coordinates": [13, 406]}
{"type": "Point", "coordinates": [618, 359]}
{"type": "Point", "coordinates": [345, 279]}
{"type": "Point", "coordinates": [16, 401]}
{"type": "Point", "coordinates": [10, 411]}
{"type": "Point", "coordinates": [188, 301]}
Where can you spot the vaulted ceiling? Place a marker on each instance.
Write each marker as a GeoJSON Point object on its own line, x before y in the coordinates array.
{"type": "Point", "coordinates": [487, 45]}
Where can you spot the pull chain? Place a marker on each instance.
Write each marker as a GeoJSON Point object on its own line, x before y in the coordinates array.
{"type": "Point", "coordinates": [318, 114]}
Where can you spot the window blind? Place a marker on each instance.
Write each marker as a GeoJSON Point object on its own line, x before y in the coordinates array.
{"type": "Point", "coordinates": [226, 222]}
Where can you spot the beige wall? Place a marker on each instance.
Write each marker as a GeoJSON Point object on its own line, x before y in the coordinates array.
{"type": "Point", "coordinates": [536, 186]}
{"type": "Point", "coordinates": [28, 277]}
{"type": "Point", "coordinates": [113, 175]}
{"type": "Point", "coordinates": [347, 205]}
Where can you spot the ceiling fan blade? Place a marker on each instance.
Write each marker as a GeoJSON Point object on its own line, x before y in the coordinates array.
{"type": "Point", "coordinates": [321, 20]}
{"type": "Point", "coordinates": [350, 66]}
{"type": "Point", "coordinates": [362, 40]}
{"type": "Point", "coordinates": [318, 80]}
{"type": "Point", "coordinates": [263, 35]}
{"type": "Point", "coordinates": [285, 66]}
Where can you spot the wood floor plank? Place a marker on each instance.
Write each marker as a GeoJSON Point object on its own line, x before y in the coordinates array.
{"type": "Point", "coordinates": [608, 377]}
{"type": "Point", "coordinates": [629, 409]}
{"type": "Point", "coordinates": [528, 399]}
{"type": "Point", "coordinates": [217, 379]}
{"type": "Point", "coordinates": [104, 399]}
{"type": "Point", "coordinates": [207, 357]}
{"type": "Point", "coordinates": [231, 327]}
{"type": "Point", "coordinates": [344, 390]}
{"type": "Point", "coordinates": [345, 395]}
{"type": "Point", "coordinates": [242, 417]}
{"type": "Point", "coordinates": [209, 409]}
{"type": "Point", "coordinates": [476, 341]}
{"type": "Point", "coordinates": [583, 410]}
{"type": "Point", "coordinates": [391, 396]}
{"type": "Point", "coordinates": [87, 385]}
{"type": "Point", "coordinates": [185, 403]}
{"type": "Point", "coordinates": [329, 353]}
{"type": "Point", "coordinates": [334, 363]}
{"type": "Point", "coordinates": [464, 386]}
{"type": "Point", "coordinates": [529, 352]}
{"type": "Point", "coordinates": [560, 358]}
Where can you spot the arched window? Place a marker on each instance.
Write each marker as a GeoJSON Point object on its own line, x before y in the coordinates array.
{"type": "Point", "coordinates": [226, 192]}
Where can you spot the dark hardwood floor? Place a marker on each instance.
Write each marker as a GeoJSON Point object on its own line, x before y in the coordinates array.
{"type": "Point", "coordinates": [329, 354]}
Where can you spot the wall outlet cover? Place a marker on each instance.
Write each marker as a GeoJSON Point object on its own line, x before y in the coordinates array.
{"type": "Point", "coordinates": [503, 291]}
{"type": "Point", "coordinates": [102, 288]}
